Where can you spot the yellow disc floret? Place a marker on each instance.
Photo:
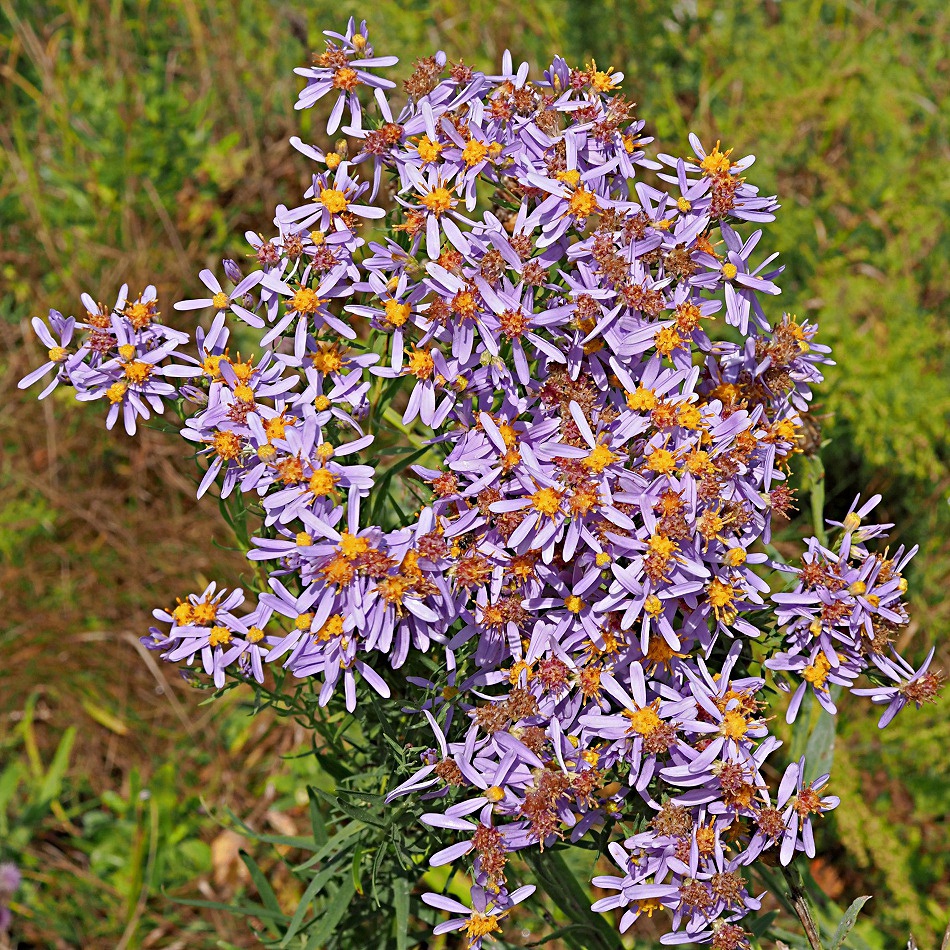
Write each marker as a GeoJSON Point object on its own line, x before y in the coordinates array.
{"type": "Point", "coordinates": [547, 501]}
{"type": "Point", "coordinates": [333, 200]}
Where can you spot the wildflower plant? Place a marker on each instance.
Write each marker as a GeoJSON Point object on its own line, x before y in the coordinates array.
{"type": "Point", "coordinates": [506, 460]}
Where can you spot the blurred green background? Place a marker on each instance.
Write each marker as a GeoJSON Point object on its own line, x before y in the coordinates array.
{"type": "Point", "coordinates": [140, 138]}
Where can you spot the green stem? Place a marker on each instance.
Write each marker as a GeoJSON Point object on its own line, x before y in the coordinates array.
{"type": "Point", "coordinates": [799, 901]}
{"type": "Point", "coordinates": [395, 420]}
{"type": "Point", "coordinates": [816, 477]}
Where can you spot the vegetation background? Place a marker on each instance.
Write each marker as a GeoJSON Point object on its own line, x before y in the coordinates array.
{"type": "Point", "coordinates": [140, 138]}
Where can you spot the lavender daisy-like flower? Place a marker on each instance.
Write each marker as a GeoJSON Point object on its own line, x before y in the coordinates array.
{"type": "Point", "coordinates": [483, 917]}
{"type": "Point", "coordinates": [800, 802]}
{"type": "Point", "coordinates": [58, 352]}
{"type": "Point", "coordinates": [912, 686]}
{"type": "Point", "coordinates": [342, 68]}
{"type": "Point", "coordinates": [222, 302]}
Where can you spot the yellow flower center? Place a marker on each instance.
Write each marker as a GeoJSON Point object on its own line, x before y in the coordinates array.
{"type": "Point", "coordinates": [643, 721]}
{"type": "Point", "coordinates": [438, 201]}
{"type": "Point", "coordinates": [127, 351]}
{"type": "Point", "coordinates": [735, 557]}
{"type": "Point", "coordinates": [602, 559]}
{"type": "Point", "coordinates": [688, 416]}
{"type": "Point", "coordinates": [643, 400]}
{"type": "Point", "coordinates": [600, 457]}
{"type": "Point", "coordinates": [244, 393]}
{"type": "Point", "coordinates": [495, 793]}
{"type": "Point", "coordinates": [716, 162]}
{"type": "Point", "coordinates": [203, 613]}
{"type": "Point", "coordinates": [334, 201]}
{"type": "Point", "coordinates": [653, 605]}
{"type": "Point", "coordinates": [734, 725]}
{"type": "Point", "coordinates": [351, 546]}
{"type": "Point", "coordinates": [570, 176]}
{"type": "Point", "coordinates": [421, 364]}
{"type": "Point", "coordinates": [254, 635]}
{"type": "Point", "coordinates": [547, 501]}
{"type": "Point", "coordinates": [602, 81]}
{"type": "Point", "coordinates": [479, 925]}
{"type": "Point", "coordinates": [275, 427]}
{"type": "Point", "coordinates": [332, 628]}
{"type": "Point", "coordinates": [221, 301]}
{"type": "Point", "coordinates": [346, 79]}
{"type": "Point", "coordinates": [397, 313]}
{"type": "Point", "coordinates": [303, 540]}
{"type": "Point", "coordinates": [303, 621]}
{"type": "Point", "coordinates": [428, 150]}
{"type": "Point", "coordinates": [817, 673]}
{"type": "Point", "coordinates": [321, 403]}
{"type": "Point", "coordinates": [305, 300]}
{"type": "Point", "coordinates": [227, 445]}
{"type": "Point", "coordinates": [333, 161]}
{"type": "Point", "coordinates": [137, 372]}
{"type": "Point", "coordinates": [322, 482]}
{"type": "Point", "coordinates": [329, 358]}
{"type": "Point", "coordinates": [212, 366]}
{"type": "Point", "coordinates": [659, 651]}
{"type": "Point", "coordinates": [857, 589]}
{"type": "Point", "coordinates": [683, 204]}
{"type": "Point", "coordinates": [474, 152]}
{"type": "Point", "coordinates": [721, 594]}
{"type": "Point", "coordinates": [662, 546]}
{"type": "Point", "coordinates": [667, 340]}
{"type": "Point", "coordinates": [573, 603]}
{"type": "Point", "coordinates": [116, 392]}
{"type": "Point", "coordinates": [219, 636]}
{"type": "Point", "coordinates": [729, 270]}
{"type": "Point", "coordinates": [661, 461]}
{"type": "Point", "coordinates": [57, 354]}
{"type": "Point", "coordinates": [582, 204]}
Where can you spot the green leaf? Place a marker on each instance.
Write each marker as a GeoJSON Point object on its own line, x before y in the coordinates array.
{"type": "Point", "coordinates": [313, 888]}
{"type": "Point", "coordinates": [316, 819]}
{"type": "Point", "coordinates": [242, 910]}
{"type": "Point", "coordinates": [847, 922]}
{"type": "Point", "coordinates": [401, 907]}
{"type": "Point", "coordinates": [261, 883]}
{"type": "Point", "coordinates": [332, 915]}
{"type": "Point", "coordinates": [53, 780]}
{"type": "Point", "coordinates": [820, 748]}
{"type": "Point", "coordinates": [355, 868]}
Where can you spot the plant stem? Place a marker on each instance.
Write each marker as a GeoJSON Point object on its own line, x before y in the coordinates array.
{"type": "Point", "coordinates": [799, 901]}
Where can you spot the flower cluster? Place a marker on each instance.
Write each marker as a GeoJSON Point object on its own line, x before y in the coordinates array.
{"type": "Point", "coordinates": [601, 417]}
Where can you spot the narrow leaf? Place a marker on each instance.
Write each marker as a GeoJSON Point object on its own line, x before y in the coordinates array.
{"type": "Point", "coordinates": [847, 922]}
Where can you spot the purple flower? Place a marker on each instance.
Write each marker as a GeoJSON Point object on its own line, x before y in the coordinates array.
{"type": "Point", "coordinates": [60, 358]}
{"type": "Point", "coordinates": [912, 686]}
{"type": "Point", "coordinates": [800, 801]}
{"type": "Point", "coordinates": [483, 918]}
{"type": "Point", "coordinates": [343, 68]}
